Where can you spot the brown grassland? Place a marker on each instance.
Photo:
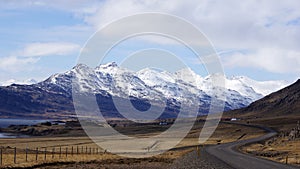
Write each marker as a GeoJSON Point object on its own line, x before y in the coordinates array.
{"type": "Point", "coordinates": [224, 133]}
{"type": "Point", "coordinates": [279, 148]}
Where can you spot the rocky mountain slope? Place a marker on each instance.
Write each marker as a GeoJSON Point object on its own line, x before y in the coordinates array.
{"type": "Point", "coordinates": [285, 102]}
{"type": "Point", "coordinates": [52, 98]}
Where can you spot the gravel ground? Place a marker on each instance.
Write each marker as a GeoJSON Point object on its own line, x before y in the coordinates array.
{"type": "Point", "coordinates": [188, 161]}
{"type": "Point", "coordinates": [193, 161]}
{"type": "Point", "coordinates": [143, 165]}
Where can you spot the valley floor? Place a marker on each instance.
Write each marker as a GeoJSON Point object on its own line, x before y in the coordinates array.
{"type": "Point", "coordinates": [224, 133]}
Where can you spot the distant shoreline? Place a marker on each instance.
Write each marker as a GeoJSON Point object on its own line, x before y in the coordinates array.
{"type": "Point", "coordinates": [12, 135]}
{"type": "Point", "coordinates": [4, 123]}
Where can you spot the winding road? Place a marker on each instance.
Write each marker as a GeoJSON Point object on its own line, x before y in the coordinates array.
{"type": "Point", "coordinates": [230, 155]}
{"type": "Point", "coordinates": [225, 156]}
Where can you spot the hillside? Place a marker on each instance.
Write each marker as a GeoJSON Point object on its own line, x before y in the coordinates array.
{"type": "Point", "coordinates": [285, 102]}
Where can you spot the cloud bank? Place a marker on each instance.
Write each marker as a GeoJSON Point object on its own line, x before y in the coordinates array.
{"type": "Point", "coordinates": [267, 31]}
{"type": "Point", "coordinates": [32, 52]}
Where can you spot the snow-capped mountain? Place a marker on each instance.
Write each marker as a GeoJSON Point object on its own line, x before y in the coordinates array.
{"type": "Point", "coordinates": [160, 85]}
{"type": "Point", "coordinates": [262, 87]}
{"type": "Point", "coordinates": [52, 98]}
{"type": "Point", "coordinates": [13, 81]}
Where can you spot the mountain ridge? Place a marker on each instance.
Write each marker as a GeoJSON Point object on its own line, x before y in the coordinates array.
{"type": "Point", "coordinates": [285, 102]}
{"type": "Point", "coordinates": [111, 80]}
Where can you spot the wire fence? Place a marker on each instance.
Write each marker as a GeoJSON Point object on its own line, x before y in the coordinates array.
{"type": "Point", "coordinates": [12, 156]}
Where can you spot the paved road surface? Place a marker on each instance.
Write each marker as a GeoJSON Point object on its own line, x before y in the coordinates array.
{"type": "Point", "coordinates": [226, 156]}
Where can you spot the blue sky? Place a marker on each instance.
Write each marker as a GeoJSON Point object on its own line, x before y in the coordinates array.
{"type": "Point", "coordinates": [255, 39]}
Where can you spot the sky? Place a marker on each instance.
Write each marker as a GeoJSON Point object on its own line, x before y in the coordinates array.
{"type": "Point", "coordinates": [258, 39]}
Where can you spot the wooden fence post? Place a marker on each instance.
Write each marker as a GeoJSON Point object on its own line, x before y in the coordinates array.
{"type": "Point", "coordinates": [77, 150]}
{"type": "Point", "coordinates": [86, 150]}
{"type": "Point", "coordinates": [81, 149]}
{"type": "Point", "coordinates": [60, 152]}
{"type": "Point", "coordinates": [66, 152]}
{"type": "Point", "coordinates": [72, 151]}
{"type": "Point", "coordinates": [1, 154]}
{"type": "Point", "coordinates": [90, 150]}
{"type": "Point", "coordinates": [286, 159]}
{"type": "Point", "coordinates": [198, 151]}
{"type": "Point", "coordinates": [53, 151]}
{"type": "Point", "coordinates": [15, 155]}
{"type": "Point", "coordinates": [26, 154]}
{"type": "Point", "coordinates": [36, 154]}
{"type": "Point", "coordinates": [45, 157]}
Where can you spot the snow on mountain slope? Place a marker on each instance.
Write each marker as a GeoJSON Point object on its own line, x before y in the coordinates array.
{"type": "Point", "coordinates": [243, 89]}
{"type": "Point", "coordinates": [182, 86]}
{"type": "Point", "coordinates": [153, 84]}
{"type": "Point", "coordinates": [159, 88]}
{"type": "Point", "coordinates": [263, 87]}
{"type": "Point", "coordinates": [249, 88]}
{"type": "Point", "coordinates": [189, 76]}
{"type": "Point", "coordinates": [13, 81]}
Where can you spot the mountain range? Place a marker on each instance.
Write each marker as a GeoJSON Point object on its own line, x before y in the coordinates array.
{"type": "Point", "coordinates": [52, 98]}
{"type": "Point", "coordinates": [13, 81]}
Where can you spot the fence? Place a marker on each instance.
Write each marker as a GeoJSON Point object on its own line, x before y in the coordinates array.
{"type": "Point", "coordinates": [291, 159]}
{"type": "Point", "coordinates": [14, 156]}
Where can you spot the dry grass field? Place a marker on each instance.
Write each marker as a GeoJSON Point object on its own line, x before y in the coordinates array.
{"type": "Point", "coordinates": [89, 151]}
{"type": "Point", "coordinates": [279, 148]}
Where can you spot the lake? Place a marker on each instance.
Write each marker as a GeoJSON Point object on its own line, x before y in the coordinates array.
{"type": "Point", "coordinates": [7, 122]}
{"type": "Point", "coordinates": [7, 135]}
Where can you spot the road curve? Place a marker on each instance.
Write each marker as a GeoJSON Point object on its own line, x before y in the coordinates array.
{"type": "Point", "coordinates": [229, 154]}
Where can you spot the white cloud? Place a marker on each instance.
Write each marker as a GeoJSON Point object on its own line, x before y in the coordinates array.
{"type": "Point", "coordinates": [78, 6]}
{"type": "Point", "coordinates": [257, 26]}
{"type": "Point", "coordinates": [269, 59]}
{"type": "Point", "coordinates": [46, 49]}
{"type": "Point", "coordinates": [15, 64]}
{"type": "Point", "coordinates": [230, 24]}
{"type": "Point", "coordinates": [227, 24]}
{"type": "Point", "coordinates": [24, 59]}
{"type": "Point", "coordinates": [261, 27]}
